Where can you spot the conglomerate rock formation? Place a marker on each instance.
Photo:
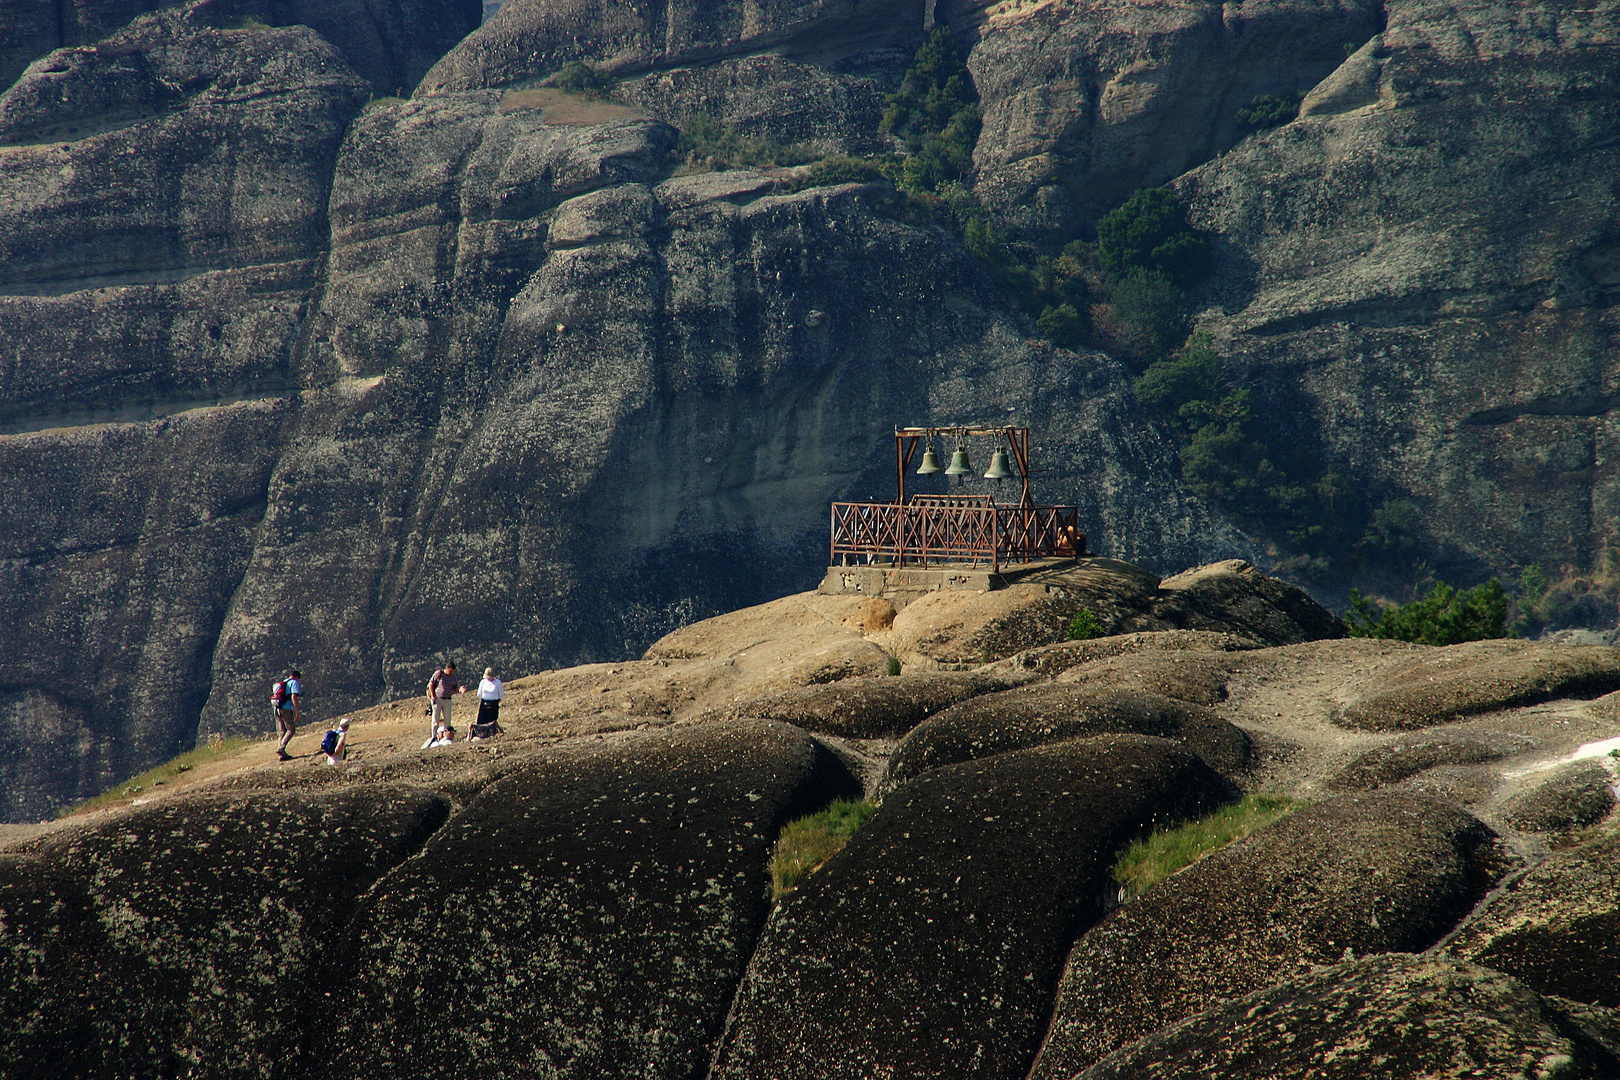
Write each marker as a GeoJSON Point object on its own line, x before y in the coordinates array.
{"type": "Point", "coordinates": [586, 894]}
{"type": "Point", "coordinates": [294, 372]}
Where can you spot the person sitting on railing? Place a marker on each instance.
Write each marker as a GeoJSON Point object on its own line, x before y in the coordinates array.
{"type": "Point", "coordinates": [1071, 541]}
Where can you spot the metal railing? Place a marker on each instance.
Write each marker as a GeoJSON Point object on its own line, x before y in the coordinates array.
{"type": "Point", "coordinates": [953, 529]}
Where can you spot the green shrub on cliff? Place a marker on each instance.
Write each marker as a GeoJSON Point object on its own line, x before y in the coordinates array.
{"type": "Point", "coordinates": [1446, 616]}
{"type": "Point", "coordinates": [705, 143]}
{"type": "Point", "coordinates": [1234, 459]}
{"type": "Point", "coordinates": [1266, 111]}
{"type": "Point", "coordinates": [934, 114]}
{"type": "Point", "coordinates": [1152, 859]}
{"type": "Point", "coordinates": [810, 841]}
{"type": "Point", "coordinates": [1569, 597]}
{"type": "Point", "coordinates": [1150, 232]}
{"type": "Point", "coordinates": [1085, 625]}
{"type": "Point", "coordinates": [578, 77]}
{"type": "Point", "coordinates": [839, 169]}
{"type": "Point", "coordinates": [1145, 315]}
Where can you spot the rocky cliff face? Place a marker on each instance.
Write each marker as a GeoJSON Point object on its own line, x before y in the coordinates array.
{"type": "Point", "coordinates": [525, 377]}
{"type": "Point", "coordinates": [391, 43]}
{"type": "Point", "coordinates": [585, 896]}
{"type": "Point", "coordinates": [287, 378]}
{"type": "Point", "coordinates": [1084, 103]}
{"type": "Point", "coordinates": [1422, 270]}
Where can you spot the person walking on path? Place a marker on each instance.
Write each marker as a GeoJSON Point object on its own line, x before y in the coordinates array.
{"type": "Point", "coordinates": [284, 697]}
{"type": "Point", "coordinates": [440, 689]}
{"type": "Point", "coordinates": [490, 693]}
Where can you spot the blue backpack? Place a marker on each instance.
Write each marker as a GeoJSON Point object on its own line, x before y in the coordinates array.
{"type": "Point", "coordinates": [329, 743]}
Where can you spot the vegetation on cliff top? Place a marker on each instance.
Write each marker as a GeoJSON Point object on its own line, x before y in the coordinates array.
{"type": "Point", "coordinates": [1446, 616]}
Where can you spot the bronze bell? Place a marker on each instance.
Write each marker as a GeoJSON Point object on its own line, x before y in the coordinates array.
{"type": "Point", "coordinates": [930, 463]}
{"type": "Point", "coordinates": [959, 463]}
{"type": "Point", "coordinates": [998, 466]}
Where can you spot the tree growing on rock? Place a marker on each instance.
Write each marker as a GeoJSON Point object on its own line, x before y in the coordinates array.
{"type": "Point", "coordinates": [934, 114]}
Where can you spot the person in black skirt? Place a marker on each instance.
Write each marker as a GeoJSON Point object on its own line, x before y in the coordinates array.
{"type": "Point", "coordinates": [490, 693]}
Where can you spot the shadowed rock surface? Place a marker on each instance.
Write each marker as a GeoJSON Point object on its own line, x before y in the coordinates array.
{"type": "Point", "coordinates": [1557, 927]}
{"type": "Point", "coordinates": [1036, 715]}
{"type": "Point", "coordinates": [198, 934]}
{"type": "Point", "coordinates": [1349, 877]}
{"type": "Point", "coordinates": [592, 912]}
{"type": "Point", "coordinates": [862, 708]}
{"type": "Point", "coordinates": [1053, 660]}
{"type": "Point", "coordinates": [1477, 677]}
{"type": "Point", "coordinates": [1572, 797]}
{"type": "Point", "coordinates": [930, 944]}
{"type": "Point", "coordinates": [1198, 678]}
{"type": "Point", "coordinates": [1394, 1016]}
{"type": "Point", "coordinates": [1408, 756]}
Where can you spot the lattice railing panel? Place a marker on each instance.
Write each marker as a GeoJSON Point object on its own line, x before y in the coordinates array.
{"type": "Point", "coordinates": [954, 531]}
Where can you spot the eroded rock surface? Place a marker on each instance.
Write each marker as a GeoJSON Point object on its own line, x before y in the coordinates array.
{"type": "Point", "coordinates": [391, 43]}
{"type": "Point", "coordinates": [1461, 680]}
{"type": "Point", "coordinates": [593, 911]}
{"type": "Point", "coordinates": [1086, 102]}
{"type": "Point", "coordinates": [1556, 928]}
{"type": "Point", "coordinates": [1348, 877]}
{"type": "Point", "coordinates": [930, 944]}
{"type": "Point", "coordinates": [1399, 1016]}
{"type": "Point", "coordinates": [867, 707]}
{"type": "Point", "coordinates": [194, 934]}
{"type": "Point", "coordinates": [531, 38]}
{"type": "Point", "coordinates": [1571, 797]}
{"type": "Point", "coordinates": [1418, 277]}
{"type": "Point", "coordinates": [1033, 716]}
{"type": "Point", "coordinates": [154, 258]}
{"type": "Point", "coordinates": [1392, 762]}
{"type": "Point", "coordinates": [1229, 597]}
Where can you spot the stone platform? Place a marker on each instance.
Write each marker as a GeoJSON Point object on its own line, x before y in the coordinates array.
{"type": "Point", "coordinates": [902, 584]}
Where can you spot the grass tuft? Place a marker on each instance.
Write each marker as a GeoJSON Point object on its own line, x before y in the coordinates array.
{"type": "Point", "coordinates": [215, 748]}
{"type": "Point", "coordinates": [810, 841]}
{"type": "Point", "coordinates": [1150, 860]}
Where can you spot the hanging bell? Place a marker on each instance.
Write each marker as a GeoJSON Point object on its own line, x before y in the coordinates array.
{"type": "Point", "coordinates": [930, 463]}
{"type": "Point", "coordinates": [998, 466]}
{"type": "Point", "coordinates": [959, 463]}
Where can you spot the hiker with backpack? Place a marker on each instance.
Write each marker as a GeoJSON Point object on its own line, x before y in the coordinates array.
{"type": "Point", "coordinates": [336, 743]}
{"type": "Point", "coordinates": [284, 695]}
{"type": "Point", "coordinates": [440, 689]}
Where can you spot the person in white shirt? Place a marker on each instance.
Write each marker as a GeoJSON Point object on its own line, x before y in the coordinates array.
{"type": "Point", "coordinates": [442, 736]}
{"type": "Point", "coordinates": [490, 693]}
